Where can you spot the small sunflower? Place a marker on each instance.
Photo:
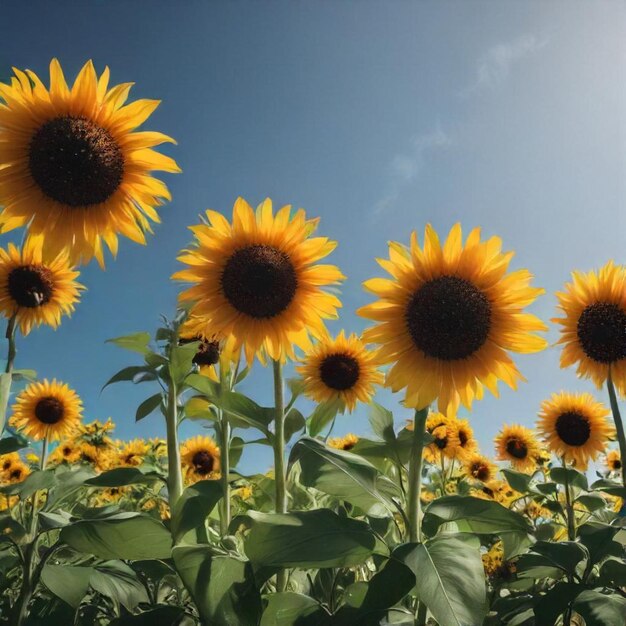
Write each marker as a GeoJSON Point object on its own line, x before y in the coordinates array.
{"type": "Point", "coordinates": [98, 457]}
{"type": "Point", "coordinates": [519, 446]}
{"type": "Point", "coordinates": [448, 318]}
{"type": "Point", "coordinates": [341, 369]}
{"type": "Point", "coordinates": [593, 331]}
{"type": "Point", "coordinates": [7, 461]}
{"type": "Point", "coordinates": [71, 167]}
{"type": "Point", "coordinates": [467, 443]}
{"type": "Point", "coordinates": [133, 453]}
{"type": "Point", "coordinates": [613, 461]}
{"type": "Point", "coordinates": [200, 457]}
{"type": "Point", "coordinates": [575, 427]}
{"type": "Point", "coordinates": [68, 451]}
{"type": "Point", "coordinates": [479, 467]}
{"type": "Point", "coordinates": [47, 409]}
{"type": "Point", "coordinates": [36, 292]}
{"type": "Point", "coordinates": [445, 434]}
{"type": "Point", "coordinates": [256, 279]}
{"type": "Point", "coordinates": [17, 473]}
{"type": "Point", "coordinates": [343, 443]}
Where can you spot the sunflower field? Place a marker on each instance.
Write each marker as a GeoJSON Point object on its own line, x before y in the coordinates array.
{"type": "Point", "coordinates": [413, 526]}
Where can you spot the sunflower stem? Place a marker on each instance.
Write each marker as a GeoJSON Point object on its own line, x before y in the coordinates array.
{"type": "Point", "coordinates": [415, 475]}
{"type": "Point", "coordinates": [569, 509]}
{"type": "Point", "coordinates": [12, 351]}
{"type": "Point", "coordinates": [225, 469]}
{"type": "Point", "coordinates": [279, 456]}
{"type": "Point", "coordinates": [619, 425]}
{"type": "Point", "coordinates": [174, 474]}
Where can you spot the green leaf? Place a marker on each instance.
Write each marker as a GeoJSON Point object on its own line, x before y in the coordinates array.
{"type": "Point", "coordinates": [126, 374]}
{"type": "Point", "coordinates": [137, 342]}
{"type": "Point", "coordinates": [479, 516]}
{"type": "Point", "coordinates": [5, 392]}
{"type": "Point", "coordinates": [194, 506]}
{"type": "Point", "coordinates": [32, 483]}
{"type": "Point", "coordinates": [161, 614]}
{"type": "Point", "coordinates": [450, 578]}
{"type": "Point", "coordinates": [120, 477]}
{"type": "Point", "coordinates": [147, 406]}
{"type": "Point", "coordinates": [19, 375]}
{"type": "Point", "coordinates": [599, 540]}
{"type": "Point", "coordinates": [223, 588]}
{"type": "Point", "coordinates": [12, 444]}
{"type": "Point", "coordinates": [381, 421]}
{"type": "Point", "coordinates": [567, 475]}
{"type": "Point", "coordinates": [289, 609]}
{"type": "Point", "coordinates": [294, 422]}
{"type": "Point", "coordinates": [322, 415]}
{"type": "Point", "coordinates": [591, 501]}
{"type": "Point", "coordinates": [306, 539]}
{"type": "Point", "coordinates": [555, 602]}
{"type": "Point", "coordinates": [517, 480]}
{"type": "Point", "coordinates": [236, 450]}
{"type": "Point", "coordinates": [600, 609]}
{"type": "Point", "coordinates": [244, 412]}
{"type": "Point", "coordinates": [613, 573]}
{"type": "Point", "coordinates": [207, 387]}
{"type": "Point", "coordinates": [68, 582]}
{"type": "Point", "coordinates": [181, 360]}
{"type": "Point", "coordinates": [117, 581]}
{"type": "Point", "coordinates": [565, 555]}
{"type": "Point", "coordinates": [345, 476]}
{"type": "Point", "coordinates": [128, 536]}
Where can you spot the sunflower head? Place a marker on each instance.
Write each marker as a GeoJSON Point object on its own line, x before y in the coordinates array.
{"type": "Point", "coordinates": [341, 369]}
{"type": "Point", "coordinates": [613, 461]}
{"type": "Point", "coordinates": [518, 445]}
{"type": "Point", "coordinates": [257, 279]}
{"type": "Point", "coordinates": [7, 461]}
{"type": "Point", "coordinates": [445, 437]}
{"type": "Point", "coordinates": [467, 443]}
{"type": "Point", "coordinates": [71, 167]}
{"type": "Point", "coordinates": [593, 329]}
{"type": "Point", "coordinates": [67, 451]}
{"type": "Point", "coordinates": [479, 467]}
{"type": "Point", "coordinates": [574, 427]}
{"type": "Point", "coordinates": [448, 318]}
{"type": "Point", "coordinates": [16, 473]}
{"type": "Point", "coordinates": [200, 458]}
{"type": "Point", "coordinates": [47, 409]}
{"type": "Point", "coordinates": [343, 443]}
{"type": "Point", "coordinates": [133, 453]}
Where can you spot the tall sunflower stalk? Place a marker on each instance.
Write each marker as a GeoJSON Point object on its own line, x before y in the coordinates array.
{"type": "Point", "coordinates": [619, 425]}
{"type": "Point", "coordinates": [415, 475]}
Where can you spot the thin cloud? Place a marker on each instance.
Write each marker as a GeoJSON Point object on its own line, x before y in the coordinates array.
{"type": "Point", "coordinates": [496, 64]}
{"type": "Point", "coordinates": [404, 167]}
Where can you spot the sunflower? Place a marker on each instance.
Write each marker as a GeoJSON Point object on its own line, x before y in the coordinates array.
{"type": "Point", "coordinates": [467, 443]}
{"type": "Point", "coordinates": [574, 426]}
{"type": "Point", "coordinates": [343, 443]}
{"type": "Point", "coordinates": [36, 292]}
{"type": "Point", "coordinates": [257, 279]}
{"type": "Point", "coordinates": [68, 451]}
{"type": "Point", "coordinates": [8, 460]}
{"type": "Point", "coordinates": [479, 467]}
{"type": "Point", "coordinates": [200, 457]}
{"type": "Point", "coordinates": [99, 458]}
{"type": "Point", "coordinates": [448, 318]}
{"type": "Point", "coordinates": [519, 446]}
{"type": "Point", "coordinates": [613, 461]}
{"type": "Point", "coordinates": [445, 437]}
{"type": "Point", "coordinates": [17, 473]}
{"type": "Point", "coordinates": [133, 453]}
{"type": "Point", "coordinates": [341, 369]}
{"type": "Point", "coordinates": [71, 167]}
{"type": "Point", "coordinates": [47, 410]}
{"type": "Point", "coordinates": [593, 331]}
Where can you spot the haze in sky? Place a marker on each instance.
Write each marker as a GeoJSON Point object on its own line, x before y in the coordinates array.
{"type": "Point", "coordinates": [376, 116]}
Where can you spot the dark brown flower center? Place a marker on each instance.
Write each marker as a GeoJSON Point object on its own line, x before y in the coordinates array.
{"type": "Point", "coordinates": [448, 318]}
{"type": "Point", "coordinates": [616, 464]}
{"type": "Point", "coordinates": [573, 428]}
{"type": "Point", "coordinates": [348, 445]}
{"type": "Point", "coordinates": [517, 448]}
{"type": "Point", "coordinates": [30, 286]}
{"type": "Point", "coordinates": [203, 462]}
{"type": "Point", "coordinates": [259, 281]}
{"type": "Point", "coordinates": [75, 162]}
{"type": "Point", "coordinates": [66, 450]}
{"type": "Point", "coordinates": [463, 438]}
{"type": "Point", "coordinates": [479, 470]}
{"type": "Point", "coordinates": [602, 332]}
{"type": "Point", "coordinates": [208, 353]}
{"type": "Point", "coordinates": [339, 371]}
{"type": "Point", "coordinates": [16, 474]}
{"type": "Point", "coordinates": [49, 410]}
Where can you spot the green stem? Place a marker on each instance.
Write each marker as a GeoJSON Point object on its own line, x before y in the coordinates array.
{"type": "Point", "coordinates": [619, 426]}
{"type": "Point", "coordinates": [10, 335]}
{"type": "Point", "coordinates": [415, 475]}
{"type": "Point", "coordinates": [569, 509]}
{"type": "Point", "coordinates": [174, 473]}
{"type": "Point", "coordinates": [225, 469]}
{"type": "Point", "coordinates": [279, 456]}
{"type": "Point", "coordinates": [5, 388]}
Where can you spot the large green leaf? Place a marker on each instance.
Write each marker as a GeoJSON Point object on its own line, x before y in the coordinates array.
{"type": "Point", "coordinates": [381, 421]}
{"type": "Point", "coordinates": [307, 539]}
{"type": "Point", "coordinates": [128, 536]}
{"type": "Point", "coordinates": [68, 582]}
{"type": "Point", "coordinates": [194, 506]}
{"type": "Point", "coordinates": [181, 360]}
{"type": "Point", "coordinates": [117, 581]}
{"type": "Point", "coordinates": [292, 609]}
{"type": "Point", "coordinates": [127, 374]}
{"type": "Point", "coordinates": [323, 414]}
{"type": "Point", "coordinates": [120, 477]}
{"type": "Point", "coordinates": [475, 515]}
{"type": "Point", "coordinates": [137, 342]}
{"type": "Point", "coordinates": [600, 609]}
{"type": "Point", "coordinates": [32, 483]}
{"type": "Point", "coordinates": [450, 578]}
{"type": "Point", "coordinates": [345, 476]}
{"type": "Point", "coordinates": [148, 406]}
{"type": "Point", "coordinates": [163, 615]}
{"type": "Point", "coordinates": [222, 587]}
{"type": "Point", "coordinates": [12, 444]}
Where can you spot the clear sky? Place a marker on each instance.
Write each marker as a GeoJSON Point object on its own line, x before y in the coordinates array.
{"type": "Point", "coordinates": [376, 116]}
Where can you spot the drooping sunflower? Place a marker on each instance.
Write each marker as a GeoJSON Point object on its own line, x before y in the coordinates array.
{"type": "Point", "coordinates": [133, 453]}
{"type": "Point", "coordinates": [448, 318]}
{"type": "Point", "coordinates": [341, 369]}
{"type": "Point", "coordinates": [71, 167]}
{"type": "Point", "coordinates": [37, 292]}
{"type": "Point", "coordinates": [257, 279]}
{"type": "Point", "coordinates": [575, 426]}
{"type": "Point", "coordinates": [47, 409]}
{"type": "Point", "coordinates": [479, 467]}
{"type": "Point", "coordinates": [518, 445]}
{"type": "Point", "coordinates": [593, 331]}
{"type": "Point", "coordinates": [467, 442]}
{"type": "Point", "coordinates": [346, 442]}
{"type": "Point", "coordinates": [613, 461]}
{"type": "Point", "coordinates": [200, 458]}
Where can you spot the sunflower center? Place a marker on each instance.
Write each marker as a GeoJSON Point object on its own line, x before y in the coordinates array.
{"type": "Point", "coordinates": [49, 410]}
{"type": "Point", "coordinates": [602, 332]}
{"type": "Point", "coordinates": [449, 318]}
{"type": "Point", "coordinates": [517, 448]}
{"type": "Point", "coordinates": [30, 286]}
{"type": "Point", "coordinates": [573, 428]}
{"type": "Point", "coordinates": [208, 353]}
{"type": "Point", "coordinates": [203, 462]}
{"type": "Point", "coordinates": [617, 464]}
{"type": "Point", "coordinates": [463, 438]}
{"type": "Point", "coordinates": [259, 281]}
{"type": "Point", "coordinates": [75, 162]}
{"type": "Point", "coordinates": [339, 371]}
{"type": "Point", "coordinates": [479, 471]}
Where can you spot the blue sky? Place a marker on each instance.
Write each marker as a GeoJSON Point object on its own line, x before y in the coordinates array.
{"type": "Point", "coordinates": [376, 116]}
